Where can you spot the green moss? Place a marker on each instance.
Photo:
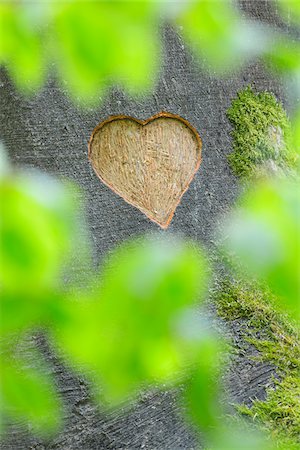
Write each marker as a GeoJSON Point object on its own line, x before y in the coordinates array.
{"type": "Point", "coordinates": [261, 134]}
{"type": "Point", "coordinates": [278, 343]}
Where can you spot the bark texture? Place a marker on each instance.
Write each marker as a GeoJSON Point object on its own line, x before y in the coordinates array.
{"type": "Point", "coordinates": [49, 133]}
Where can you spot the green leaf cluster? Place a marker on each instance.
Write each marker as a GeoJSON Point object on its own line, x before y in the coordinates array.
{"type": "Point", "coordinates": [91, 45]}
{"type": "Point", "coordinates": [128, 331]}
{"type": "Point", "coordinates": [37, 217]}
{"type": "Point", "coordinates": [262, 235]}
{"type": "Point", "coordinates": [133, 325]}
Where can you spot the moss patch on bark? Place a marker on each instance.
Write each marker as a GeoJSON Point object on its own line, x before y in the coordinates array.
{"type": "Point", "coordinates": [277, 341]}
{"type": "Point", "coordinates": [261, 133]}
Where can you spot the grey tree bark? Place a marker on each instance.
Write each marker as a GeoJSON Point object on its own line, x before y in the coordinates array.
{"type": "Point", "coordinates": [49, 133]}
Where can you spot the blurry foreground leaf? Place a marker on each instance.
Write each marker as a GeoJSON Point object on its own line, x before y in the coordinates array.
{"type": "Point", "coordinates": [37, 217]}
{"type": "Point", "coordinates": [106, 42]}
{"type": "Point", "coordinates": [217, 31]}
{"type": "Point", "coordinates": [95, 45]}
{"type": "Point", "coordinates": [92, 44]}
{"type": "Point", "coordinates": [264, 234]}
{"type": "Point", "coordinates": [203, 386]}
{"type": "Point", "coordinates": [128, 333]}
{"type": "Point", "coordinates": [283, 56]}
{"type": "Point", "coordinates": [28, 394]}
{"type": "Point", "coordinates": [290, 10]}
{"type": "Point", "coordinates": [39, 228]}
{"type": "Point", "coordinates": [21, 47]}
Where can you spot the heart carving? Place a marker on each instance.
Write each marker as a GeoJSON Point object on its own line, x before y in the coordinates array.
{"type": "Point", "coordinates": [149, 163]}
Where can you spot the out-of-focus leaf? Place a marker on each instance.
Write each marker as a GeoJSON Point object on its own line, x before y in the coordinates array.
{"type": "Point", "coordinates": [284, 55]}
{"type": "Point", "coordinates": [94, 44]}
{"type": "Point", "coordinates": [83, 46]}
{"type": "Point", "coordinates": [128, 334]}
{"type": "Point", "coordinates": [106, 43]}
{"type": "Point", "coordinates": [203, 386]}
{"type": "Point", "coordinates": [21, 48]}
{"type": "Point", "coordinates": [290, 10]}
{"type": "Point", "coordinates": [264, 234]}
{"type": "Point", "coordinates": [216, 29]}
{"type": "Point", "coordinates": [139, 47]}
{"type": "Point", "coordinates": [29, 395]}
{"type": "Point", "coordinates": [97, 44]}
{"type": "Point", "coordinates": [22, 311]}
{"type": "Point", "coordinates": [40, 234]}
{"type": "Point", "coordinates": [37, 216]}
{"type": "Point", "coordinates": [236, 435]}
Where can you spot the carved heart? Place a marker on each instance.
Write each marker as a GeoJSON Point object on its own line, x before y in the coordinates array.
{"type": "Point", "coordinates": [149, 163]}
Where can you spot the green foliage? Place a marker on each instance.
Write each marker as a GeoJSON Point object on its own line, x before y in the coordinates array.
{"type": "Point", "coordinates": [20, 45]}
{"type": "Point", "coordinates": [106, 42]}
{"type": "Point", "coordinates": [39, 220]}
{"type": "Point", "coordinates": [129, 333]}
{"type": "Point", "coordinates": [284, 59]}
{"type": "Point", "coordinates": [92, 45]}
{"type": "Point", "coordinates": [29, 394]}
{"type": "Point", "coordinates": [138, 324]}
{"type": "Point", "coordinates": [261, 134]}
{"type": "Point", "coordinates": [278, 343]}
{"type": "Point", "coordinates": [216, 30]}
{"type": "Point", "coordinates": [262, 235]}
{"type": "Point", "coordinates": [291, 9]}
{"type": "Point", "coordinates": [32, 252]}
{"type": "Point", "coordinates": [132, 326]}
{"type": "Point", "coordinates": [202, 398]}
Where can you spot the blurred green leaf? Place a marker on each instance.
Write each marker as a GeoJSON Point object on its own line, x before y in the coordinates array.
{"type": "Point", "coordinates": [37, 216]}
{"type": "Point", "coordinates": [28, 394]}
{"type": "Point", "coordinates": [290, 10]}
{"type": "Point", "coordinates": [203, 390]}
{"type": "Point", "coordinates": [22, 311]}
{"type": "Point", "coordinates": [93, 44]}
{"type": "Point", "coordinates": [128, 333]}
{"type": "Point", "coordinates": [263, 233]}
{"type": "Point", "coordinates": [21, 47]}
{"type": "Point", "coordinates": [41, 233]}
{"type": "Point", "coordinates": [216, 29]}
{"type": "Point", "coordinates": [239, 435]}
{"type": "Point", "coordinates": [284, 55]}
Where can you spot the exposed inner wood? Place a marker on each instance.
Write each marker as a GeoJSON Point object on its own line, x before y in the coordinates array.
{"type": "Point", "coordinates": [150, 164]}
